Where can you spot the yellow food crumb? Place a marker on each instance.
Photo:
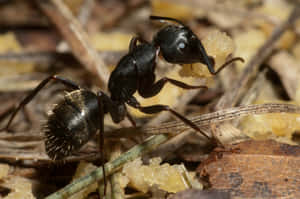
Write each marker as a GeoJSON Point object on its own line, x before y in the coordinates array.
{"type": "Point", "coordinates": [171, 9]}
{"type": "Point", "coordinates": [168, 95]}
{"type": "Point", "coordinates": [247, 44]}
{"type": "Point", "coordinates": [218, 45]}
{"type": "Point", "coordinates": [4, 169]}
{"type": "Point", "coordinates": [8, 43]}
{"type": "Point", "coordinates": [21, 188]}
{"type": "Point", "coordinates": [296, 51]}
{"type": "Point", "coordinates": [278, 10]}
{"type": "Point", "coordinates": [262, 126]}
{"type": "Point", "coordinates": [166, 177]}
{"type": "Point", "coordinates": [111, 41]}
{"type": "Point", "coordinates": [74, 5]}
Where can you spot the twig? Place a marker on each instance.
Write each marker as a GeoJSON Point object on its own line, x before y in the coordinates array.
{"type": "Point", "coordinates": [206, 119]}
{"type": "Point", "coordinates": [116, 190]}
{"type": "Point", "coordinates": [229, 10]}
{"type": "Point", "coordinates": [48, 57]}
{"type": "Point", "coordinates": [12, 153]}
{"type": "Point", "coordinates": [167, 149]}
{"type": "Point", "coordinates": [154, 141]}
{"type": "Point", "coordinates": [255, 88]}
{"type": "Point", "coordinates": [85, 11]}
{"type": "Point", "coordinates": [110, 167]}
{"type": "Point", "coordinates": [74, 34]}
{"type": "Point", "coordinates": [231, 98]}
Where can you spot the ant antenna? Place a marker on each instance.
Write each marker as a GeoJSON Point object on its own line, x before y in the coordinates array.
{"type": "Point", "coordinates": [227, 63]}
{"type": "Point", "coordinates": [152, 17]}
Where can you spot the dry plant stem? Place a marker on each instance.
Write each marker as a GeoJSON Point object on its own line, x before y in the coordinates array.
{"type": "Point", "coordinates": [17, 86]}
{"type": "Point", "coordinates": [83, 16]}
{"type": "Point", "coordinates": [11, 153]}
{"type": "Point", "coordinates": [214, 6]}
{"type": "Point", "coordinates": [20, 136]}
{"type": "Point", "coordinates": [154, 141]}
{"type": "Point", "coordinates": [167, 149]}
{"type": "Point", "coordinates": [255, 88]}
{"type": "Point", "coordinates": [206, 119]}
{"type": "Point", "coordinates": [37, 158]}
{"type": "Point", "coordinates": [231, 98]}
{"type": "Point", "coordinates": [110, 167]}
{"type": "Point", "coordinates": [75, 36]}
{"type": "Point", "coordinates": [116, 190]}
{"type": "Point", "coordinates": [85, 11]}
{"type": "Point", "coordinates": [287, 68]}
{"type": "Point", "coordinates": [49, 57]}
{"type": "Point", "coordinates": [253, 91]}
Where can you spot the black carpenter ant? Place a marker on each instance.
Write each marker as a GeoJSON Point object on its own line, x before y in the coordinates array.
{"type": "Point", "coordinates": [80, 114]}
{"type": "Point", "coordinates": [179, 45]}
{"type": "Point", "coordinates": [77, 118]}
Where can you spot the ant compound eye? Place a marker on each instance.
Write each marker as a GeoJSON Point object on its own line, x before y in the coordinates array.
{"type": "Point", "coordinates": [182, 46]}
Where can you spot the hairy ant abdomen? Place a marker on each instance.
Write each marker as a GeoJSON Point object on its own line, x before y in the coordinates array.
{"type": "Point", "coordinates": [72, 123]}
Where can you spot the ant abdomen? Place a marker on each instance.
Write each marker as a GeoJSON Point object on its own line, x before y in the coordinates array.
{"type": "Point", "coordinates": [71, 124]}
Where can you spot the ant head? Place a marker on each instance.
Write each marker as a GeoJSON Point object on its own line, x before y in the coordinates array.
{"type": "Point", "coordinates": [178, 44]}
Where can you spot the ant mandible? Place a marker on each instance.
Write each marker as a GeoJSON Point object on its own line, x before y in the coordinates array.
{"type": "Point", "coordinates": [179, 45]}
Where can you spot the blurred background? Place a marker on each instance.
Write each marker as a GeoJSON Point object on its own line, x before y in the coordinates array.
{"type": "Point", "coordinates": [83, 40]}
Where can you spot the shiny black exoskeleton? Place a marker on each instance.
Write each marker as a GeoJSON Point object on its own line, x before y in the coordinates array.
{"type": "Point", "coordinates": [72, 123]}
{"type": "Point", "coordinates": [179, 45]}
{"type": "Point", "coordinates": [73, 120]}
{"type": "Point", "coordinates": [77, 118]}
{"type": "Point", "coordinates": [136, 72]}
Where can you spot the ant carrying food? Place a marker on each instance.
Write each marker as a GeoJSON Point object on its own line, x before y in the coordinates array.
{"type": "Point", "coordinates": [80, 114]}
{"type": "Point", "coordinates": [77, 118]}
{"type": "Point", "coordinates": [179, 45]}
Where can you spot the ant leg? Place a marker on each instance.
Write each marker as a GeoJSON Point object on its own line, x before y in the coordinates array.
{"type": "Point", "coordinates": [130, 118]}
{"type": "Point", "coordinates": [101, 102]}
{"type": "Point", "coordinates": [159, 108]}
{"type": "Point", "coordinates": [117, 111]}
{"type": "Point", "coordinates": [33, 93]}
{"type": "Point", "coordinates": [146, 91]}
{"type": "Point", "coordinates": [133, 43]}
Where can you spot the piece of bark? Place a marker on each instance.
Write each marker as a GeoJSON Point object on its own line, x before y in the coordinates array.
{"type": "Point", "coordinates": [255, 169]}
{"type": "Point", "coordinates": [200, 194]}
